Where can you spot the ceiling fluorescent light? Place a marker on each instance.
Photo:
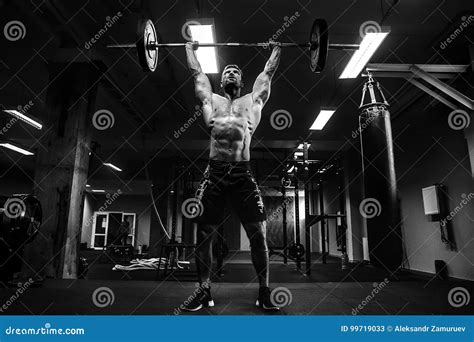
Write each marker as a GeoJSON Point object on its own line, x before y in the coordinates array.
{"type": "Point", "coordinates": [322, 118]}
{"type": "Point", "coordinates": [300, 146]}
{"type": "Point", "coordinates": [205, 55]}
{"type": "Point", "coordinates": [17, 149]}
{"type": "Point", "coordinates": [98, 190]}
{"type": "Point", "coordinates": [361, 57]}
{"type": "Point", "coordinates": [113, 166]}
{"type": "Point", "coordinates": [24, 118]}
{"type": "Point", "coordinates": [298, 154]}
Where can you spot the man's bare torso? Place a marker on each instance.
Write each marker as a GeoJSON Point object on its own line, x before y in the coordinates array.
{"type": "Point", "coordinates": [231, 124]}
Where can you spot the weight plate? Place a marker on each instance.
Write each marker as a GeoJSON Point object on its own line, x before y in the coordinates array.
{"type": "Point", "coordinates": [147, 57]}
{"type": "Point", "coordinates": [296, 251]}
{"type": "Point", "coordinates": [24, 224]}
{"type": "Point", "coordinates": [319, 39]}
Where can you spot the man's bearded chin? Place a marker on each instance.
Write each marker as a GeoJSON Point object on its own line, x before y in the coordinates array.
{"type": "Point", "coordinates": [230, 83]}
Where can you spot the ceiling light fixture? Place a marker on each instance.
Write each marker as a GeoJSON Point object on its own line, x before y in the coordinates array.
{"type": "Point", "coordinates": [322, 118]}
{"type": "Point", "coordinates": [24, 118]}
{"type": "Point", "coordinates": [361, 57]}
{"type": "Point", "coordinates": [206, 55]}
{"type": "Point", "coordinates": [300, 146]}
{"type": "Point", "coordinates": [16, 149]}
{"type": "Point", "coordinates": [113, 167]}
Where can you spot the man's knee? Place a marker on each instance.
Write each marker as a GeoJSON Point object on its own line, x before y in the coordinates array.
{"type": "Point", "coordinates": [257, 235]}
{"type": "Point", "coordinates": [204, 235]}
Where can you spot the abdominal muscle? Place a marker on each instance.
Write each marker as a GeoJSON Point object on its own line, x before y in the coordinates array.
{"type": "Point", "coordinates": [230, 141]}
{"type": "Point", "coordinates": [231, 125]}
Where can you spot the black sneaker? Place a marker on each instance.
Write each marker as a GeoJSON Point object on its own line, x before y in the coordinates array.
{"type": "Point", "coordinates": [199, 301]}
{"type": "Point", "coordinates": [264, 300]}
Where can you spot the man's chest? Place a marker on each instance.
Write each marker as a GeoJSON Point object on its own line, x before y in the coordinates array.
{"type": "Point", "coordinates": [241, 109]}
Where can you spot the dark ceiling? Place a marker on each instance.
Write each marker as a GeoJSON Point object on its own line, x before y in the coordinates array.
{"type": "Point", "coordinates": [149, 107]}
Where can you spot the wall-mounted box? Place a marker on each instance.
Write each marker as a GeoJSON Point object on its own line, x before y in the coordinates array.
{"type": "Point", "coordinates": [431, 200]}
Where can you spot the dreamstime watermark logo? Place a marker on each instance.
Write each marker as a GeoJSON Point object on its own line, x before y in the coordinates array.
{"type": "Point", "coordinates": [459, 296]}
{"type": "Point", "coordinates": [14, 30]}
{"type": "Point", "coordinates": [187, 124]}
{"type": "Point", "coordinates": [46, 330]}
{"type": "Point", "coordinates": [281, 296]}
{"type": "Point", "coordinates": [19, 291]}
{"type": "Point", "coordinates": [186, 32]}
{"type": "Point", "coordinates": [465, 200]}
{"type": "Point", "coordinates": [369, 26]}
{"type": "Point", "coordinates": [286, 24]}
{"type": "Point", "coordinates": [192, 208]}
{"type": "Point", "coordinates": [276, 213]}
{"type": "Point", "coordinates": [22, 109]}
{"type": "Point", "coordinates": [103, 119]}
{"type": "Point", "coordinates": [377, 288]}
{"type": "Point", "coordinates": [199, 289]}
{"type": "Point", "coordinates": [465, 22]}
{"type": "Point", "coordinates": [110, 198]}
{"type": "Point", "coordinates": [14, 207]}
{"type": "Point", "coordinates": [26, 107]}
{"type": "Point", "coordinates": [103, 296]}
{"type": "Point", "coordinates": [363, 126]}
{"type": "Point", "coordinates": [8, 125]}
{"type": "Point", "coordinates": [110, 21]}
{"type": "Point", "coordinates": [281, 119]}
{"type": "Point", "coordinates": [459, 119]}
{"type": "Point", "coordinates": [370, 207]}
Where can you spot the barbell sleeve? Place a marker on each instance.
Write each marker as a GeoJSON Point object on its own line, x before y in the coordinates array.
{"type": "Point", "coordinates": [349, 47]}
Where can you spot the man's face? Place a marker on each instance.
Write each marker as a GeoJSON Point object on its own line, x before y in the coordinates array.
{"type": "Point", "coordinates": [231, 75]}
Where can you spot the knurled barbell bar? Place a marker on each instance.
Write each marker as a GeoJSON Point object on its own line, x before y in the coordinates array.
{"type": "Point", "coordinates": [147, 45]}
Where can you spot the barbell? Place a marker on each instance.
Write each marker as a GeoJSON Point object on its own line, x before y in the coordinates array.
{"type": "Point", "coordinates": [147, 45]}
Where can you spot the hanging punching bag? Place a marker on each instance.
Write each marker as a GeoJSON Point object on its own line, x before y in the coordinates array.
{"type": "Point", "coordinates": [380, 205]}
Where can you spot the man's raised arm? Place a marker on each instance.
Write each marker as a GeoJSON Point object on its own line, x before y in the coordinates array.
{"type": "Point", "coordinates": [261, 87]}
{"type": "Point", "coordinates": [201, 82]}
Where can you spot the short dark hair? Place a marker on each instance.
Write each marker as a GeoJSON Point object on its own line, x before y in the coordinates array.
{"type": "Point", "coordinates": [235, 66]}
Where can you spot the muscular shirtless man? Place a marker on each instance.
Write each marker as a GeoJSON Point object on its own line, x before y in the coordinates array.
{"type": "Point", "coordinates": [232, 120]}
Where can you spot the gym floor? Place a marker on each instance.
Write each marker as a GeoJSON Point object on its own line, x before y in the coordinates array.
{"type": "Point", "coordinates": [329, 290]}
{"type": "Point", "coordinates": [68, 297]}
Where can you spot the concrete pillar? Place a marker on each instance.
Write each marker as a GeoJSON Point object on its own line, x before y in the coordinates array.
{"type": "Point", "coordinates": [62, 169]}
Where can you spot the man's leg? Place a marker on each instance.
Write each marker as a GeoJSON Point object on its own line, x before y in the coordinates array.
{"type": "Point", "coordinates": [201, 296]}
{"type": "Point", "coordinates": [203, 253]}
{"type": "Point", "coordinates": [256, 232]}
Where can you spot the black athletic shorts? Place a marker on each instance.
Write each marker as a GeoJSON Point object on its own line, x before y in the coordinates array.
{"type": "Point", "coordinates": [228, 179]}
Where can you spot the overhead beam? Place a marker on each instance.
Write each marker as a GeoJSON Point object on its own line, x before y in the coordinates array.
{"type": "Point", "coordinates": [400, 74]}
{"type": "Point", "coordinates": [448, 90]}
{"type": "Point", "coordinates": [432, 93]}
{"type": "Point", "coordinates": [431, 68]}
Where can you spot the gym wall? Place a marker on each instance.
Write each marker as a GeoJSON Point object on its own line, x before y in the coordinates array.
{"type": "Point", "coordinates": [428, 151]}
{"type": "Point", "coordinates": [138, 204]}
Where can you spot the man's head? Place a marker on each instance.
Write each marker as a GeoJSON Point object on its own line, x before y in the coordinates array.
{"type": "Point", "coordinates": [232, 75]}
